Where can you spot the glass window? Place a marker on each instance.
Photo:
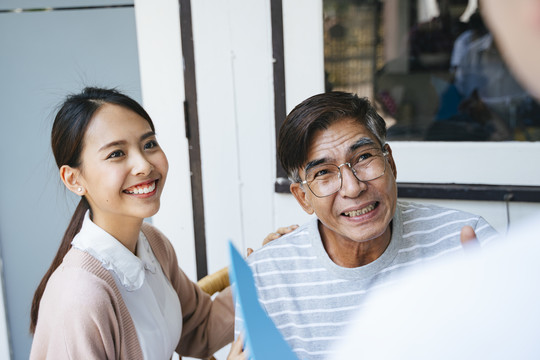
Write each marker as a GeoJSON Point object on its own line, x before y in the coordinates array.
{"type": "Point", "coordinates": [431, 67]}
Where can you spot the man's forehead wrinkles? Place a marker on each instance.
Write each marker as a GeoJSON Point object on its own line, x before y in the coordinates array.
{"type": "Point", "coordinates": [336, 143]}
{"type": "Point", "coordinates": [328, 152]}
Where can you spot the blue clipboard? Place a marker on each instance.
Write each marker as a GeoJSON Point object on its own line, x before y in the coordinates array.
{"type": "Point", "coordinates": [261, 337]}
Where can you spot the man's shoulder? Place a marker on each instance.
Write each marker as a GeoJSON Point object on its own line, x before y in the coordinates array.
{"type": "Point", "coordinates": [411, 210]}
{"type": "Point", "coordinates": [430, 222]}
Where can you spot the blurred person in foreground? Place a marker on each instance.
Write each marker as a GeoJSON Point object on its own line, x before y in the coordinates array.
{"type": "Point", "coordinates": [482, 306]}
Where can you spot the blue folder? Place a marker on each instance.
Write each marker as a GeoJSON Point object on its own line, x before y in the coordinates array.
{"type": "Point", "coordinates": [262, 339]}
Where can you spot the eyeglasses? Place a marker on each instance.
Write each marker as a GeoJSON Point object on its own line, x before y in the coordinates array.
{"type": "Point", "coordinates": [326, 179]}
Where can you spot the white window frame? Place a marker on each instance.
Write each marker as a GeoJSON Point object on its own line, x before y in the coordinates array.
{"type": "Point", "coordinates": [486, 163]}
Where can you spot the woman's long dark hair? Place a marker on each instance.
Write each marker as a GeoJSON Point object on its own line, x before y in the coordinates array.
{"type": "Point", "coordinates": [69, 127]}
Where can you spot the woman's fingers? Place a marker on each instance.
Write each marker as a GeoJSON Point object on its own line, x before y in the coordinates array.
{"type": "Point", "coordinates": [278, 233]}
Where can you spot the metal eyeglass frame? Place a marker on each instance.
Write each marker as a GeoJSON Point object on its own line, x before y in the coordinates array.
{"type": "Point", "coordinates": [384, 154]}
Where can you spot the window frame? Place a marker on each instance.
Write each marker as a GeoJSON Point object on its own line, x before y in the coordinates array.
{"type": "Point", "coordinates": [449, 170]}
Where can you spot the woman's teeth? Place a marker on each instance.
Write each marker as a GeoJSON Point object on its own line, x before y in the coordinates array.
{"type": "Point", "coordinates": [360, 211]}
{"type": "Point", "coordinates": [144, 189]}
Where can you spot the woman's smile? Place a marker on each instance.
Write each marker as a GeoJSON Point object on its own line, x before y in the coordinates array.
{"type": "Point", "coordinates": [147, 189]}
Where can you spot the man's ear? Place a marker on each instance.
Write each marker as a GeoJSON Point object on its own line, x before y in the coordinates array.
{"type": "Point", "coordinates": [300, 196]}
{"type": "Point", "coordinates": [391, 160]}
{"type": "Point", "coordinates": [70, 178]}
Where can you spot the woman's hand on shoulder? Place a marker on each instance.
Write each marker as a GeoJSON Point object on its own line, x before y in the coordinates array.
{"type": "Point", "coordinates": [279, 233]}
{"type": "Point", "coordinates": [275, 235]}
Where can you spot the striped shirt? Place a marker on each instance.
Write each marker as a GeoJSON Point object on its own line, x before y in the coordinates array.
{"type": "Point", "coordinates": [311, 299]}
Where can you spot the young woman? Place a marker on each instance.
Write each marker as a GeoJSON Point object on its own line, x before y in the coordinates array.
{"type": "Point", "coordinates": [114, 289]}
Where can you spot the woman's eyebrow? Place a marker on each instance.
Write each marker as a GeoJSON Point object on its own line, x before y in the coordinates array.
{"type": "Point", "coordinates": [113, 144]}
{"type": "Point", "coordinates": [123, 142]}
{"type": "Point", "coordinates": [147, 135]}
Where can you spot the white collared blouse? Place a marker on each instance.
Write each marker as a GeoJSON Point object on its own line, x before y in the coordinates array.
{"type": "Point", "coordinates": [149, 296]}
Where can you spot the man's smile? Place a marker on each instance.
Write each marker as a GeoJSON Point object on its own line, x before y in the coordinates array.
{"type": "Point", "coordinates": [361, 211]}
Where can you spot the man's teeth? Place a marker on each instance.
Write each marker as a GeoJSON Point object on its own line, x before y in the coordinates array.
{"type": "Point", "coordinates": [360, 211]}
{"type": "Point", "coordinates": [142, 189]}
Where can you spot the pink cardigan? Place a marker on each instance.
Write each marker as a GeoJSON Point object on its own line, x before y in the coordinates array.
{"type": "Point", "coordinates": [82, 314]}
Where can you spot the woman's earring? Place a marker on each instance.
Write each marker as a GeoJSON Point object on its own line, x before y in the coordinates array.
{"type": "Point", "coordinates": [79, 189]}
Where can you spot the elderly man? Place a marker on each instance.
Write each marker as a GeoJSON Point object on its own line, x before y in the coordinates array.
{"type": "Point", "coordinates": [309, 281]}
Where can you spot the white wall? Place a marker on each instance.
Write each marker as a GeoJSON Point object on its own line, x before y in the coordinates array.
{"type": "Point", "coordinates": [162, 83]}
{"type": "Point", "coordinates": [233, 60]}
{"type": "Point", "coordinates": [4, 337]}
{"type": "Point", "coordinates": [304, 52]}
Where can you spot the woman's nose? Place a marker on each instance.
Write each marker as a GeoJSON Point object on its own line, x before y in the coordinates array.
{"type": "Point", "coordinates": [141, 166]}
